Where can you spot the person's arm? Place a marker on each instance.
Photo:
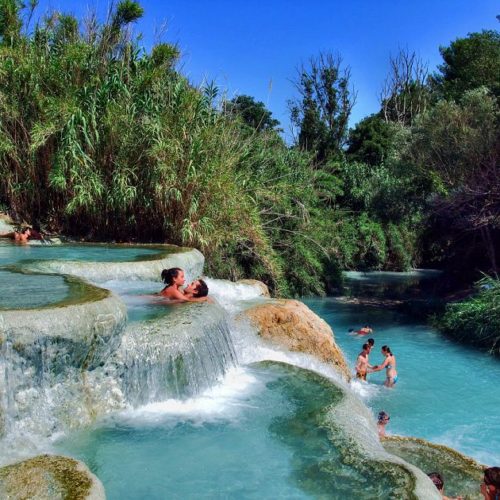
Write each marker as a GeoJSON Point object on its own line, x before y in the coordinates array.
{"type": "Point", "coordinates": [377, 368]}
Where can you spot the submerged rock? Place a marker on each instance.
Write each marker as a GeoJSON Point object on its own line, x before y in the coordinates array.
{"type": "Point", "coordinates": [50, 477]}
{"type": "Point", "coordinates": [294, 326]}
{"type": "Point", "coordinates": [461, 474]}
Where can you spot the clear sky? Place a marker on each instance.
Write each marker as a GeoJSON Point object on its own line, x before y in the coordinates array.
{"type": "Point", "coordinates": [254, 47]}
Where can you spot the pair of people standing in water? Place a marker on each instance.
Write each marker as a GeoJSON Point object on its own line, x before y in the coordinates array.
{"type": "Point", "coordinates": [174, 279]}
{"type": "Point", "coordinates": [363, 366]}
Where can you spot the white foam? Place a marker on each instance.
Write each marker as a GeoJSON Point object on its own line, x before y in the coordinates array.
{"type": "Point", "coordinates": [221, 402]}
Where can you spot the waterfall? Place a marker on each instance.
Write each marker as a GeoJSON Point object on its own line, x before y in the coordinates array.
{"type": "Point", "coordinates": [175, 356]}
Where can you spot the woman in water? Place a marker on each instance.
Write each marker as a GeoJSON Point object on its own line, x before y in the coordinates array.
{"type": "Point", "coordinates": [174, 279]}
{"type": "Point", "coordinates": [390, 366]}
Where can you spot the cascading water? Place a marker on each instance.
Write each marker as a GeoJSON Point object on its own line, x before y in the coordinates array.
{"type": "Point", "coordinates": [171, 359]}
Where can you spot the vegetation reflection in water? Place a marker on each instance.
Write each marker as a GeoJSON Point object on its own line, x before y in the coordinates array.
{"type": "Point", "coordinates": [273, 439]}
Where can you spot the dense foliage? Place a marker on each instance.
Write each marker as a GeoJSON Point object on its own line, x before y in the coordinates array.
{"type": "Point", "coordinates": [477, 319]}
{"type": "Point", "coordinates": [103, 140]}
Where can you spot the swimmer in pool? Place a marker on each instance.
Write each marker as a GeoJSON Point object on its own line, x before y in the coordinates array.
{"type": "Point", "coordinates": [390, 366]}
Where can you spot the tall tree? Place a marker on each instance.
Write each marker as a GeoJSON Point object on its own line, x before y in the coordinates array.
{"type": "Point", "coordinates": [326, 99]}
{"type": "Point", "coordinates": [470, 63]}
{"type": "Point", "coordinates": [405, 93]}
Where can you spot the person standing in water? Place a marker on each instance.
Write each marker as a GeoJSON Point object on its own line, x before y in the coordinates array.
{"type": "Point", "coordinates": [362, 363]}
{"type": "Point", "coordinates": [390, 366]}
{"type": "Point", "coordinates": [437, 479]}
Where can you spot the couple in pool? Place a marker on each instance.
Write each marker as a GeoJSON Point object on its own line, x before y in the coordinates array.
{"type": "Point", "coordinates": [174, 280]}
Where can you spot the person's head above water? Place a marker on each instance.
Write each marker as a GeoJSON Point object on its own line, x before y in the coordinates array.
{"type": "Point", "coordinates": [198, 288]}
{"type": "Point", "coordinates": [386, 350]}
{"type": "Point", "coordinates": [383, 417]}
{"type": "Point", "coordinates": [437, 479]}
{"type": "Point", "coordinates": [366, 347]}
{"type": "Point", "coordinates": [490, 487]}
{"type": "Point", "coordinates": [371, 342]}
{"type": "Point", "coordinates": [201, 289]}
{"type": "Point", "coordinates": [173, 276]}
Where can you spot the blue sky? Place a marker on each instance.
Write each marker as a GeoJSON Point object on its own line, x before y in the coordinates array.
{"type": "Point", "coordinates": [254, 47]}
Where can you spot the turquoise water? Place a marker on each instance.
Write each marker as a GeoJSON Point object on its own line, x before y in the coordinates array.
{"type": "Point", "coordinates": [11, 253]}
{"type": "Point", "coordinates": [258, 435]}
{"type": "Point", "coordinates": [22, 291]}
{"type": "Point", "coordinates": [446, 392]}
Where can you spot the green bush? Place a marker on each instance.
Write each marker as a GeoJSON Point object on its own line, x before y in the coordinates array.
{"type": "Point", "coordinates": [477, 319]}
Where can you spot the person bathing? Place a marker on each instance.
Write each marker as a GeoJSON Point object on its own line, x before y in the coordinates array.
{"type": "Point", "coordinates": [174, 279]}
{"type": "Point", "coordinates": [362, 364]}
{"type": "Point", "coordinates": [390, 366]}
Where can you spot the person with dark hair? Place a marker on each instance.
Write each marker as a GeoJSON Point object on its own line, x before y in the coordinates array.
{"type": "Point", "coordinates": [22, 236]}
{"type": "Point", "coordinates": [198, 288]}
{"type": "Point", "coordinates": [490, 487]}
{"type": "Point", "coordinates": [174, 279]}
{"type": "Point", "coordinates": [437, 479]}
{"type": "Point", "coordinates": [362, 364]}
{"type": "Point", "coordinates": [371, 343]}
{"type": "Point", "coordinates": [390, 365]}
{"type": "Point", "coordinates": [382, 420]}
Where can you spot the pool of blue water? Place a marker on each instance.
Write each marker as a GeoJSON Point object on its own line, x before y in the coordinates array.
{"type": "Point", "coordinates": [11, 253]}
{"type": "Point", "coordinates": [258, 435]}
{"type": "Point", "coordinates": [22, 291]}
{"type": "Point", "coordinates": [446, 392]}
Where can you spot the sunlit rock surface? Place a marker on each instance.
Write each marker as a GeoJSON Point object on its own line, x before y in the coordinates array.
{"type": "Point", "coordinates": [462, 475]}
{"type": "Point", "coordinates": [49, 477]}
{"type": "Point", "coordinates": [293, 325]}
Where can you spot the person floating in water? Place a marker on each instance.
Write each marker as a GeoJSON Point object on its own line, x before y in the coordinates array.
{"type": "Point", "coordinates": [362, 364]}
{"type": "Point", "coordinates": [174, 279]}
{"type": "Point", "coordinates": [366, 330]}
{"type": "Point", "coordinates": [390, 365]}
{"type": "Point", "coordinates": [382, 420]}
{"type": "Point", "coordinates": [490, 487]}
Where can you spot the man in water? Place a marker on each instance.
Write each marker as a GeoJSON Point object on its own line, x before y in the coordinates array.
{"type": "Point", "coordinates": [197, 289]}
{"type": "Point", "coordinates": [362, 363]}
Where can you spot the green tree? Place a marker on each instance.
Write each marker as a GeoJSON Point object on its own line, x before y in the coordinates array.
{"type": "Point", "coordinates": [253, 113]}
{"type": "Point", "coordinates": [321, 113]}
{"type": "Point", "coordinates": [370, 141]}
{"type": "Point", "coordinates": [470, 63]}
{"type": "Point", "coordinates": [457, 145]}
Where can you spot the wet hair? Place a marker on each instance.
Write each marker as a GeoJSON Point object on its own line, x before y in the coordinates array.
{"type": "Point", "coordinates": [371, 342]}
{"type": "Point", "coordinates": [437, 479]}
{"type": "Point", "coordinates": [24, 230]}
{"type": "Point", "coordinates": [365, 346]}
{"type": "Point", "coordinates": [201, 290]}
{"type": "Point", "coordinates": [492, 476]}
{"type": "Point", "coordinates": [386, 348]}
{"type": "Point", "coordinates": [168, 275]}
{"type": "Point", "coordinates": [382, 415]}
